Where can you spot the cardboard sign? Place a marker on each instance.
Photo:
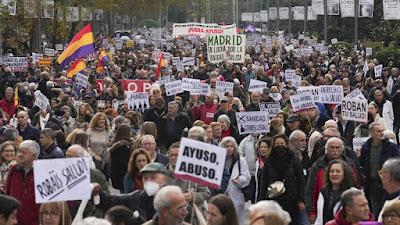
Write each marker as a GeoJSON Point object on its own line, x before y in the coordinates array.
{"type": "Point", "coordinates": [82, 79]}
{"type": "Point", "coordinates": [368, 51]}
{"type": "Point", "coordinates": [44, 62]}
{"type": "Point", "coordinates": [189, 84]}
{"type": "Point", "coordinates": [17, 64]}
{"type": "Point", "coordinates": [252, 122]}
{"type": "Point", "coordinates": [226, 47]}
{"type": "Point", "coordinates": [41, 100]}
{"type": "Point", "coordinates": [257, 85]}
{"type": "Point", "coordinates": [289, 74]}
{"type": "Point", "coordinates": [49, 52]}
{"type": "Point", "coordinates": [356, 93]}
{"type": "Point", "coordinates": [378, 70]}
{"type": "Point", "coordinates": [200, 162]}
{"type": "Point", "coordinates": [137, 101]}
{"type": "Point", "coordinates": [310, 89]}
{"type": "Point", "coordinates": [201, 29]}
{"type": "Point", "coordinates": [66, 179]}
{"type": "Point", "coordinates": [273, 108]}
{"type": "Point", "coordinates": [302, 101]}
{"type": "Point", "coordinates": [355, 109]}
{"type": "Point", "coordinates": [331, 94]}
{"type": "Point", "coordinates": [182, 63]}
{"type": "Point", "coordinates": [334, 41]}
{"type": "Point", "coordinates": [222, 87]}
{"type": "Point", "coordinates": [173, 88]}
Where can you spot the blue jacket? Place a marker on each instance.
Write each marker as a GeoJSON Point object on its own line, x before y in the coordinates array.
{"type": "Point", "coordinates": [53, 152]}
{"type": "Point", "coordinates": [30, 133]}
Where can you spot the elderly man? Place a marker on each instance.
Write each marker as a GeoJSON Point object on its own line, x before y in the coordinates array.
{"type": "Point", "coordinates": [257, 210]}
{"type": "Point", "coordinates": [20, 183]}
{"type": "Point", "coordinates": [49, 148]}
{"type": "Point", "coordinates": [154, 178]}
{"type": "Point", "coordinates": [8, 210]}
{"type": "Point", "coordinates": [173, 124]}
{"type": "Point", "coordinates": [374, 153]}
{"type": "Point", "coordinates": [354, 208]}
{"type": "Point", "coordinates": [149, 144]}
{"type": "Point", "coordinates": [7, 104]}
{"type": "Point", "coordinates": [390, 177]}
{"type": "Point", "coordinates": [205, 111]}
{"type": "Point", "coordinates": [255, 99]}
{"type": "Point", "coordinates": [333, 150]}
{"type": "Point", "coordinates": [25, 129]}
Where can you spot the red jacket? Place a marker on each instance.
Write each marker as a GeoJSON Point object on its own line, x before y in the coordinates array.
{"type": "Point", "coordinates": [8, 107]}
{"type": "Point", "coordinates": [21, 187]}
{"type": "Point", "coordinates": [205, 112]}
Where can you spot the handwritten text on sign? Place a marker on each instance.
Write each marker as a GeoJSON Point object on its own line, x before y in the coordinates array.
{"type": "Point", "coordinates": [61, 179]}
{"type": "Point", "coordinates": [273, 108]}
{"type": "Point", "coordinates": [331, 94]}
{"type": "Point", "coordinates": [200, 162]}
{"type": "Point", "coordinates": [355, 109]}
{"type": "Point", "coordinates": [302, 101]}
{"type": "Point", "coordinates": [173, 88]}
{"type": "Point", "coordinates": [252, 122]}
{"type": "Point", "coordinates": [226, 47]}
{"type": "Point", "coordinates": [41, 100]}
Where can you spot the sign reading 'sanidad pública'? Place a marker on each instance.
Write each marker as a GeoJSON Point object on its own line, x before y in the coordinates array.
{"type": "Point", "coordinates": [229, 47]}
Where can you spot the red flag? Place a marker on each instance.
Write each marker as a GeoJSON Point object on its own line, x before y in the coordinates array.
{"type": "Point", "coordinates": [160, 64]}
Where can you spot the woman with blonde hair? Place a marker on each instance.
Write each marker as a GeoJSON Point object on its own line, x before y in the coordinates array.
{"type": "Point", "coordinates": [267, 218]}
{"type": "Point", "coordinates": [99, 136]}
{"type": "Point", "coordinates": [83, 116]}
{"type": "Point", "coordinates": [391, 213]}
{"type": "Point", "coordinates": [54, 213]}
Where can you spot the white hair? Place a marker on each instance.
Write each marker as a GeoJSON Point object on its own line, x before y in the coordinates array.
{"type": "Point", "coordinates": [332, 139]}
{"type": "Point", "coordinates": [225, 118]}
{"type": "Point", "coordinates": [163, 196]}
{"type": "Point", "coordinates": [80, 151]}
{"type": "Point", "coordinates": [270, 206]}
{"type": "Point", "coordinates": [148, 137]}
{"type": "Point", "coordinates": [32, 146]}
{"type": "Point", "coordinates": [296, 134]}
{"type": "Point", "coordinates": [196, 133]}
{"type": "Point", "coordinates": [95, 221]}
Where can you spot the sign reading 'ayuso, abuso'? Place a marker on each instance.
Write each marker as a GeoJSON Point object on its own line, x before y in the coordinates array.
{"type": "Point", "coordinates": [226, 47]}
{"type": "Point", "coordinates": [200, 162]}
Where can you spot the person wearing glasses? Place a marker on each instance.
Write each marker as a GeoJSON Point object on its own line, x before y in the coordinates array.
{"type": "Point", "coordinates": [52, 214]}
{"type": "Point", "coordinates": [391, 213]}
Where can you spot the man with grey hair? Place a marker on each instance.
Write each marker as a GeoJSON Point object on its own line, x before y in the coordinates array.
{"type": "Point", "coordinates": [333, 150]}
{"type": "Point", "coordinates": [374, 153]}
{"type": "Point", "coordinates": [20, 182]}
{"type": "Point", "coordinates": [171, 207]}
{"type": "Point", "coordinates": [173, 124]}
{"type": "Point", "coordinates": [196, 133]}
{"type": "Point", "coordinates": [268, 206]}
{"type": "Point", "coordinates": [148, 142]}
{"type": "Point", "coordinates": [354, 208]}
{"type": "Point", "coordinates": [390, 177]}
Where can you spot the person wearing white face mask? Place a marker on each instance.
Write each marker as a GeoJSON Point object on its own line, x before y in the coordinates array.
{"type": "Point", "coordinates": [154, 178]}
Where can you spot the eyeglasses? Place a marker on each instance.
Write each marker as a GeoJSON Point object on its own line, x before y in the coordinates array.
{"type": "Point", "coordinates": [390, 217]}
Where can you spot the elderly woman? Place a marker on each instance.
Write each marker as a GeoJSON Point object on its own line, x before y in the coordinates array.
{"type": "Point", "coordinates": [236, 176]}
{"type": "Point", "coordinates": [227, 129]}
{"type": "Point", "coordinates": [54, 213]}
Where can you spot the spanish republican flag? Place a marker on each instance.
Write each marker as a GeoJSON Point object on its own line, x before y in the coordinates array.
{"type": "Point", "coordinates": [81, 45]}
{"type": "Point", "coordinates": [160, 65]}
{"type": "Point", "coordinates": [103, 59]}
{"type": "Point", "coordinates": [75, 68]}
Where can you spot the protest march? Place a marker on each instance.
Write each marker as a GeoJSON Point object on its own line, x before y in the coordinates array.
{"type": "Point", "coordinates": [201, 122]}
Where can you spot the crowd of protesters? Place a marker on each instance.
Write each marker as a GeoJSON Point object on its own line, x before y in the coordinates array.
{"type": "Point", "coordinates": [304, 171]}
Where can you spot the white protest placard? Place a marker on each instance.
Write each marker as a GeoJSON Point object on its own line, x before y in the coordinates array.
{"type": "Point", "coordinates": [41, 100]}
{"type": "Point", "coordinates": [289, 74]}
{"type": "Point", "coordinates": [331, 94]}
{"type": "Point", "coordinates": [368, 51]}
{"type": "Point", "coordinates": [222, 86]}
{"type": "Point", "coordinates": [82, 80]}
{"type": "Point", "coordinates": [273, 108]}
{"type": "Point", "coordinates": [378, 70]}
{"type": "Point", "coordinates": [201, 29]}
{"type": "Point", "coordinates": [59, 47]}
{"type": "Point", "coordinates": [138, 101]}
{"type": "Point", "coordinates": [314, 90]}
{"type": "Point", "coordinates": [226, 47]}
{"type": "Point", "coordinates": [284, 13]}
{"type": "Point", "coordinates": [347, 8]}
{"type": "Point", "coordinates": [264, 15]}
{"type": "Point", "coordinates": [173, 87]}
{"type": "Point", "coordinates": [257, 85]}
{"type": "Point", "coordinates": [36, 57]}
{"type": "Point", "coordinates": [189, 84]}
{"type": "Point", "coordinates": [200, 162]}
{"type": "Point", "coordinates": [358, 143]}
{"type": "Point", "coordinates": [298, 13]}
{"type": "Point", "coordinates": [182, 63]}
{"type": "Point", "coordinates": [247, 17]}
{"type": "Point", "coordinates": [17, 64]}
{"type": "Point", "coordinates": [66, 179]}
{"type": "Point", "coordinates": [49, 52]}
{"type": "Point", "coordinates": [302, 101]}
{"type": "Point", "coordinates": [391, 10]}
{"type": "Point", "coordinates": [252, 122]}
{"type": "Point", "coordinates": [334, 41]}
{"type": "Point", "coordinates": [355, 109]}
{"type": "Point", "coordinates": [273, 13]}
